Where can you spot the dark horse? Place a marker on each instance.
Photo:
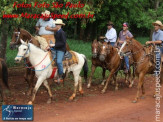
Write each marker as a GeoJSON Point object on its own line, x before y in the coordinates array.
{"type": "Point", "coordinates": [15, 41]}
{"type": "Point", "coordinates": [3, 76]}
{"type": "Point", "coordinates": [96, 62]}
{"type": "Point", "coordinates": [144, 63]}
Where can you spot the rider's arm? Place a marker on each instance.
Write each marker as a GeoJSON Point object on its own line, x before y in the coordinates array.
{"type": "Point", "coordinates": [154, 42]}
{"type": "Point", "coordinates": [51, 29]}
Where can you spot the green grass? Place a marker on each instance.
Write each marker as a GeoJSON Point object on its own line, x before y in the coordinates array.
{"type": "Point", "coordinates": [76, 45]}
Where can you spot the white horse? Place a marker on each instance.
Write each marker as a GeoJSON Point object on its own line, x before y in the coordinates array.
{"type": "Point", "coordinates": [44, 70]}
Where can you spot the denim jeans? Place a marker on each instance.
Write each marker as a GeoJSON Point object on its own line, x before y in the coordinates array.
{"type": "Point", "coordinates": [112, 43]}
{"type": "Point", "coordinates": [57, 54]}
{"type": "Point", "coordinates": [127, 62]}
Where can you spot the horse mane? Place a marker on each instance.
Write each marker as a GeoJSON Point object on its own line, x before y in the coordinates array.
{"type": "Point", "coordinates": [25, 31]}
{"type": "Point", "coordinates": [137, 43]}
{"type": "Point", "coordinates": [36, 47]}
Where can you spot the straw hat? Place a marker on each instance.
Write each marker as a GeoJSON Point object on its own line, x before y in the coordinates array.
{"type": "Point", "coordinates": [158, 23]}
{"type": "Point", "coordinates": [59, 22]}
{"type": "Point", "coordinates": [46, 13]}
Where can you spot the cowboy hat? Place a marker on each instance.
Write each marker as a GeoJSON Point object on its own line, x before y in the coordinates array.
{"type": "Point", "coordinates": [59, 22]}
{"type": "Point", "coordinates": [158, 23]}
{"type": "Point", "coordinates": [46, 13]}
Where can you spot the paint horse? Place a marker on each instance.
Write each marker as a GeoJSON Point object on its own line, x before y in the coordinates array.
{"type": "Point", "coordinates": [15, 42]}
{"type": "Point", "coordinates": [3, 76]}
{"type": "Point", "coordinates": [35, 54]}
{"type": "Point", "coordinates": [143, 63]}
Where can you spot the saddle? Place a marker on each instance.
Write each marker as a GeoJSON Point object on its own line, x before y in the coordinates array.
{"type": "Point", "coordinates": [69, 59]}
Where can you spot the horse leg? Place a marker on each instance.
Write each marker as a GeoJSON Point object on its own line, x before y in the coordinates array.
{"type": "Point", "coordinates": [80, 86]}
{"type": "Point", "coordinates": [115, 79]}
{"type": "Point", "coordinates": [31, 83]}
{"type": "Point", "coordinates": [132, 79]}
{"type": "Point", "coordinates": [76, 79]}
{"type": "Point", "coordinates": [49, 91]}
{"type": "Point", "coordinates": [93, 67]}
{"type": "Point", "coordinates": [107, 81]}
{"type": "Point", "coordinates": [143, 91]}
{"type": "Point", "coordinates": [1, 92]}
{"type": "Point", "coordinates": [37, 86]}
{"type": "Point", "coordinates": [140, 83]}
{"type": "Point", "coordinates": [103, 75]}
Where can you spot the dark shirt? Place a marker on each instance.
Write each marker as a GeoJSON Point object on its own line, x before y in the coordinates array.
{"type": "Point", "coordinates": [60, 43]}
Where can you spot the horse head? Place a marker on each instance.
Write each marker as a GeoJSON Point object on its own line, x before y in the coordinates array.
{"type": "Point", "coordinates": [95, 48]}
{"type": "Point", "coordinates": [23, 51]}
{"type": "Point", "coordinates": [15, 41]}
{"type": "Point", "coordinates": [105, 48]}
{"type": "Point", "coordinates": [126, 47]}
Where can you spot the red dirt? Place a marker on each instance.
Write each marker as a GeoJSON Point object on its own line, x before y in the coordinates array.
{"type": "Point", "coordinates": [113, 106]}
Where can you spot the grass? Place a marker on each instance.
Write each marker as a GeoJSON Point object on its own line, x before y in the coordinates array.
{"type": "Point", "coordinates": [76, 45]}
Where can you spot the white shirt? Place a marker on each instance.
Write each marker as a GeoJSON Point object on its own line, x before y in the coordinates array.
{"type": "Point", "coordinates": [111, 35]}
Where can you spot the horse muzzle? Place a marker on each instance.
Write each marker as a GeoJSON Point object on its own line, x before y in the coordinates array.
{"type": "Point", "coordinates": [94, 55]}
{"type": "Point", "coordinates": [17, 60]}
{"type": "Point", "coordinates": [12, 46]}
{"type": "Point", "coordinates": [102, 57]}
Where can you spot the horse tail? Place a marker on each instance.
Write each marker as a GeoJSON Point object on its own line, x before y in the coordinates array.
{"type": "Point", "coordinates": [85, 67]}
{"type": "Point", "coordinates": [5, 74]}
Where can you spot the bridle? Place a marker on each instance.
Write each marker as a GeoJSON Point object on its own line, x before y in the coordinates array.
{"type": "Point", "coordinates": [27, 51]}
{"type": "Point", "coordinates": [18, 37]}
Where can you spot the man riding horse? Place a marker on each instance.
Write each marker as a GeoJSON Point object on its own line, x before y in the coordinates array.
{"type": "Point", "coordinates": [157, 37]}
{"type": "Point", "coordinates": [122, 37]}
{"type": "Point", "coordinates": [41, 27]}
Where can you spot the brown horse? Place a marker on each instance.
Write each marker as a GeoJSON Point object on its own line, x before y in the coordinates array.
{"type": "Point", "coordinates": [15, 41]}
{"type": "Point", "coordinates": [3, 76]}
{"type": "Point", "coordinates": [109, 56]}
{"type": "Point", "coordinates": [143, 63]}
{"type": "Point", "coordinates": [96, 62]}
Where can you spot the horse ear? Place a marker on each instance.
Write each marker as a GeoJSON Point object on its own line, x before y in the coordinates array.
{"type": "Point", "coordinates": [18, 29]}
{"type": "Point", "coordinates": [108, 42]}
{"type": "Point", "coordinates": [22, 41]}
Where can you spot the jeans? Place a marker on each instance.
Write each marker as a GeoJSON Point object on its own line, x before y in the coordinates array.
{"type": "Point", "coordinates": [112, 43]}
{"type": "Point", "coordinates": [127, 62]}
{"type": "Point", "coordinates": [57, 54]}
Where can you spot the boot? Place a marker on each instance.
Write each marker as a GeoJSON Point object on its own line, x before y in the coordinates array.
{"type": "Point", "coordinates": [60, 79]}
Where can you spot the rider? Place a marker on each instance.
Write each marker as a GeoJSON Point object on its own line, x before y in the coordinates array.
{"type": "Point", "coordinates": [42, 24]}
{"type": "Point", "coordinates": [111, 34]}
{"type": "Point", "coordinates": [122, 37]}
{"type": "Point", "coordinates": [157, 37]}
{"type": "Point", "coordinates": [59, 47]}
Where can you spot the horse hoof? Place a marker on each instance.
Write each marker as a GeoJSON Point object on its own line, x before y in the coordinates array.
{"type": "Point", "coordinates": [103, 91]}
{"type": "Point", "coordinates": [30, 103]}
{"type": "Point", "coordinates": [116, 88]}
{"type": "Point", "coordinates": [49, 101]}
{"type": "Point", "coordinates": [88, 86]}
{"type": "Point", "coordinates": [134, 101]}
{"type": "Point", "coordinates": [130, 86]}
{"type": "Point", "coordinates": [71, 98]}
{"type": "Point", "coordinates": [81, 92]}
{"type": "Point", "coordinates": [142, 97]}
{"type": "Point", "coordinates": [102, 84]}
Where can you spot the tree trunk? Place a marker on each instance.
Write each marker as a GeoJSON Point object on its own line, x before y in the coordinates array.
{"type": "Point", "coordinates": [3, 41]}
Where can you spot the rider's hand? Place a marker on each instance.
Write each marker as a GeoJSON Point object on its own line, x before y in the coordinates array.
{"type": "Point", "coordinates": [48, 28]}
{"type": "Point", "coordinates": [51, 45]}
{"type": "Point", "coordinates": [47, 48]}
{"type": "Point", "coordinates": [148, 42]}
{"type": "Point", "coordinates": [102, 37]}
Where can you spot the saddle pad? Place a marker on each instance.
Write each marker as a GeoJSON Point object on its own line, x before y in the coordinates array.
{"type": "Point", "coordinates": [69, 61]}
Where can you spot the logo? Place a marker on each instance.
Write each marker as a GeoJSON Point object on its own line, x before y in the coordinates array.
{"type": "Point", "coordinates": [17, 112]}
